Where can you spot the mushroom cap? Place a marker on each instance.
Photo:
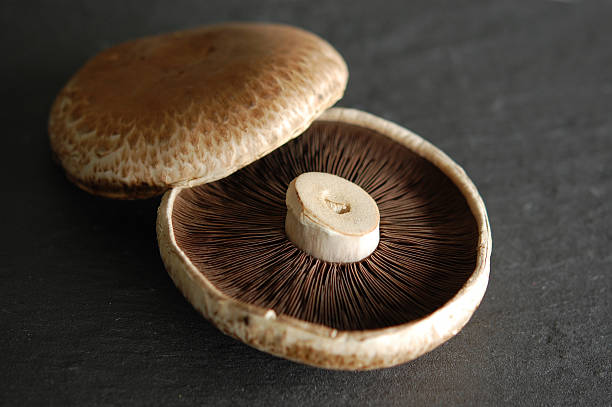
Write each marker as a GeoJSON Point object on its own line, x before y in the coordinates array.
{"type": "Point", "coordinates": [320, 345]}
{"type": "Point", "coordinates": [190, 107]}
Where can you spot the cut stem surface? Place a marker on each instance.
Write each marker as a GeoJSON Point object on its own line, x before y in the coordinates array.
{"type": "Point", "coordinates": [331, 218]}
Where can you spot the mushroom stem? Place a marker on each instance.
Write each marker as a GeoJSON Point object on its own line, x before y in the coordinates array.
{"type": "Point", "coordinates": [331, 218]}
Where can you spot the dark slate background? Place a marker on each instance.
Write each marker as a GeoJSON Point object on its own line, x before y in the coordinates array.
{"type": "Point", "coordinates": [518, 92]}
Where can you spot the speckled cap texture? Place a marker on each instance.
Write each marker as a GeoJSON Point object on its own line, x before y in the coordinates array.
{"type": "Point", "coordinates": [190, 107]}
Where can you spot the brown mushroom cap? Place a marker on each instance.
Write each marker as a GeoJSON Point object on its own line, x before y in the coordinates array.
{"type": "Point", "coordinates": [190, 107]}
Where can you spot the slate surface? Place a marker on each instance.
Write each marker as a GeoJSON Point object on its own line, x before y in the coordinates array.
{"type": "Point", "coordinates": [519, 93]}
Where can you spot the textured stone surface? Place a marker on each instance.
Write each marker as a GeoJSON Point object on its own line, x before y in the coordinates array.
{"type": "Point", "coordinates": [519, 93]}
{"type": "Point", "coordinates": [191, 106]}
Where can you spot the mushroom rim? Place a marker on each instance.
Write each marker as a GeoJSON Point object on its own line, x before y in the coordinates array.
{"type": "Point", "coordinates": [317, 344]}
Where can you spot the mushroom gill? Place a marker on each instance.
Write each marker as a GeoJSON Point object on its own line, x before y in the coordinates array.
{"type": "Point", "coordinates": [233, 231]}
